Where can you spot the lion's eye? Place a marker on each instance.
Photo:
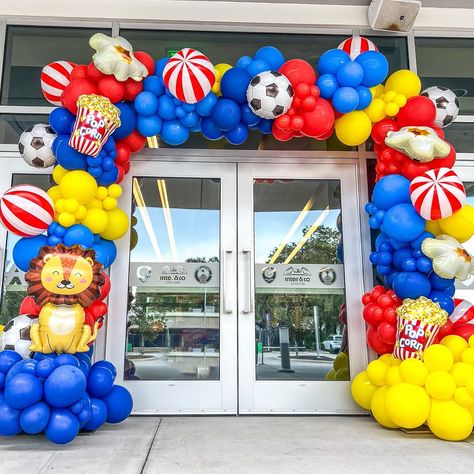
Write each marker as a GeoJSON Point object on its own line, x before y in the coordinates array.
{"type": "Point", "coordinates": [55, 273]}
{"type": "Point", "coordinates": [78, 274]}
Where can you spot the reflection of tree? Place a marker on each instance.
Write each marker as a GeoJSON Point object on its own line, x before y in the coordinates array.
{"type": "Point", "coordinates": [202, 260]}
{"type": "Point", "coordinates": [10, 305]}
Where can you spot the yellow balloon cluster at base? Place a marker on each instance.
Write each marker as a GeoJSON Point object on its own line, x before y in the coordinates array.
{"type": "Point", "coordinates": [79, 200]}
{"type": "Point", "coordinates": [340, 368]}
{"type": "Point", "coordinates": [437, 391]}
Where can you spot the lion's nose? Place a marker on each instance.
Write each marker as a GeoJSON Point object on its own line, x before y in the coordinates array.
{"type": "Point", "coordinates": [65, 282]}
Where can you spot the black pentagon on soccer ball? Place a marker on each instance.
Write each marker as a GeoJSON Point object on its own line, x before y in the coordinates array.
{"type": "Point", "coordinates": [441, 103]}
{"type": "Point", "coordinates": [9, 325]}
{"type": "Point", "coordinates": [37, 143]}
{"type": "Point", "coordinates": [447, 120]}
{"type": "Point", "coordinates": [48, 129]}
{"type": "Point", "coordinates": [29, 129]}
{"type": "Point", "coordinates": [38, 163]}
{"type": "Point", "coordinates": [278, 110]}
{"type": "Point", "coordinates": [256, 80]}
{"type": "Point", "coordinates": [256, 104]}
{"type": "Point", "coordinates": [290, 91]}
{"type": "Point", "coordinates": [9, 347]}
{"type": "Point", "coordinates": [272, 90]}
{"type": "Point", "coordinates": [21, 147]}
{"type": "Point", "coordinates": [25, 334]}
{"type": "Point", "coordinates": [276, 73]}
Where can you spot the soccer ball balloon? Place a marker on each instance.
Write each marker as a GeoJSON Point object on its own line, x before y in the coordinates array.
{"type": "Point", "coordinates": [446, 103]}
{"type": "Point", "coordinates": [269, 94]}
{"type": "Point", "coordinates": [16, 335]}
{"type": "Point", "coordinates": [35, 146]}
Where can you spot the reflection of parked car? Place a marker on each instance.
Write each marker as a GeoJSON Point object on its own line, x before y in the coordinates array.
{"type": "Point", "coordinates": [332, 343]}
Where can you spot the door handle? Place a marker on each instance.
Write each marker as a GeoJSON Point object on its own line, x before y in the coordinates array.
{"type": "Point", "coordinates": [225, 296]}
{"type": "Point", "coordinates": [248, 306]}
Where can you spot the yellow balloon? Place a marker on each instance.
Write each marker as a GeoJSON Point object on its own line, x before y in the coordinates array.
{"type": "Point", "coordinates": [462, 372]}
{"type": "Point", "coordinates": [433, 227]}
{"type": "Point", "coordinates": [413, 371]}
{"type": "Point", "coordinates": [78, 185]}
{"type": "Point", "coordinates": [343, 374]}
{"type": "Point", "coordinates": [341, 361]}
{"type": "Point", "coordinates": [114, 191]}
{"type": "Point", "coordinates": [220, 70]}
{"type": "Point", "coordinates": [470, 386]}
{"type": "Point", "coordinates": [377, 371]}
{"type": "Point", "coordinates": [463, 397]}
{"type": "Point", "coordinates": [117, 225]}
{"type": "Point", "coordinates": [377, 407]}
{"type": "Point", "coordinates": [392, 109]}
{"type": "Point", "coordinates": [468, 355]}
{"type": "Point", "coordinates": [376, 110]}
{"type": "Point", "coordinates": [456, 344]}
{"type": "Point", "coordinates": [362, 390]}
{"type": "Point", "coordinates": [438, 357]}
{"type": "Point", "coordinates": [331, 375]}
{"type": "Point", "coordinates": [81, 213]}
{"type": "Point", "coordinates": [66, 219]}
{"type": "Point", "coordinates": [96, 220]}
{"type": "Point", "coordinates": [471, 341]}
{"type": "Point", "coordinates": [440, 385]}
{"type": "Point", "coordinates": [404, 82]}
{"type": "Point", "coordinates": [109, 203]}
{"type": "Point", "coordinates": [353, 128]}
{"type": "Point", "coordinates": [407, 405]}
{"type": "Point", "coordinates": [393, 375]}
{"type": "Point", "coordinates": [400, 100]}
{"type": "Point", "coordinates": [58, 173]}
{"type": "Point", "coordinates": [449, 421]}
{"type": "Point", "coordinates": [71, 205]}
{"type": "Point", "coordinates": [459, 225]}
{"type": "Point", "coordinates": [377, 90]}
{"type": "Point", "coordinates": [54, 193]}
{"type": "Point", "coordinates": [101, 193]}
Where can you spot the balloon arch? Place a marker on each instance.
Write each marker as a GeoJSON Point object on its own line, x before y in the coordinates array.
{"type": "Point", "coordinates": [105, 112]}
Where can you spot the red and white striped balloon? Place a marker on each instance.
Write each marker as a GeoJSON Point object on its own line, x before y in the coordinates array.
{"type": "Point", "coordinates": [437, 193]}
{"type": "Point", "coordinates": [357, 45]}
{"type": "Point", "coordinates": [55, 77]}
{"type": "Point", "coordinates": [189, 75]}
{"type": "Point", "coordinates": [26, 210]}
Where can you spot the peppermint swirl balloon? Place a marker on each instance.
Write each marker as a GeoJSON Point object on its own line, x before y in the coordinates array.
{"type": "Point", "coordinates": [55, 77]}
{"type": "Point", "coordinates": [357, 45]}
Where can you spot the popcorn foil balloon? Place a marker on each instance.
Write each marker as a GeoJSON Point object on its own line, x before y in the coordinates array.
{"type": "Point", "coordinates": [96, 120]}
{"type": "Point", "coordinates": [418, 322]}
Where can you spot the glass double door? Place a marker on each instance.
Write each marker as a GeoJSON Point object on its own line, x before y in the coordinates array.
{"type": "Point", "coordinates": [238, 290]}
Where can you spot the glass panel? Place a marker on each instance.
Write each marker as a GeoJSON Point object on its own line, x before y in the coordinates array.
{"type": "Point", "coordinates": [14, 285]}
{"type": "Point", "coordinates": [299, 279]}
{"type": "Point", "coordinates": [29, 49]}
{"type": "Point", "coordinates": [461, 135]}
{"type": "Point", "coordinates": [448, 62]}
{"type": "Point", "coordinates": [174, 310]}
{"type": "Point", "coordinates": [13, 125]}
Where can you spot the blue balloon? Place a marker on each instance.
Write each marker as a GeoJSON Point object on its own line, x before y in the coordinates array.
{"type": "Point", "coordinates": [204, 106]}
{"type": "Point", "coordinates": [244, 62]}
{"type": "Point", "coordinates": [238, 135]}
{"type": "Point", "coordinates": [188, 107]}
{"type": "Point", "coordinates": [210, 130]}
{"type": "Point", "coordinates": [328, 85]}
{"type": "Point", "coordinates": [2, 382]}
{"type": "Point", "coordinates": [69, 158]}
{"type": "Point", "coordinates": [67, 359]}
{"type": "Point", "coordinates": [375, 66]}
{"type": "Point", "coordinates": [391, 190]}
{"type": "Point", "coordinates": [424, 265]}
{"type": "Point", "coordinates": [403, 223]}
{"type": "Point", "coordinates": [105, 252]}
{"type": "Point", "coordinates": [26, 366]}
{"type": "Point", "coordinates": [61, 120]}
{"type": "Point", "coordinates": [154, 84]}
{"type": "Point", "coordinates": [365, 97]}
{"type": "Point", "coordinates": [9, 420]}
{"type": "Point", "coordinates": [256, 67]}
{"type": "Point", "coordinates": [107, 365]}
{"type": "Point", "coordinates": [400, 255]}
{"type": "Point", "coordinates": [65, 386]}
{"type": "Point", "coordinates": [331, 60]}
{"type": "Point", "coordinates": [443, 299]}
{"type": "Point", "coordinates": [146, 103]}
{"type": "Point", "coordinates": [160, 66]}
{"type": "Point", "coordinates": [234, 84]}
{"type": "Point", "coordinates": [226, 114]}
{"type": "Point", "coordinates": [128, 121]}
{"type": "Point", "coordinates": [98, 415]}
{"type": "Point", "coordinates": [271, 55]}
{"type": "Point", "coordinates": [63, 427]}
{"type": "Point", "coordinates": [35, 419]}
{"type": "Point", "coordinates": [441, 284]}
{"type": "Point", "coordinates": [166, 108]}
{"type": "Point", "coordinates": [265, 126]}
{"type": "Point", "coordinates": [180, 112]}
{"type": "Point", "coordinates": [45, 367]}
{"type": "Point", "coordinates": [57, 141]}
{"type": "Point", "coordinates": [119, 404]}
{"type": "Point", "coordinates": [416, 244]}
{"type": "Point", "coordinates": [108, 177]}
{"type": "Point", "coordinates": [411, 285]}
{"type": "Point", "coordinates": [8, 359]}
{"type": "Point", "coordinates": [149, 126]}
{"type": "Point", "coordinates": [190, 120]}
{"type": "Point", "coordinates": [174, 133]}
{"type": "Point", "coordinates": [78, 234]}
{"type": "Point", "coordinates": [23, 390]}
{"type": "Point", "coordinates": [109, 145]}
{"type": "Point", "coordinates": [345, 100]}
{"type": "Point", "coordinates": [248, 117]}
{"type": "Point", "coordinates": [350, 74]}
{"type": "Point", "coordinates": [99, 382]}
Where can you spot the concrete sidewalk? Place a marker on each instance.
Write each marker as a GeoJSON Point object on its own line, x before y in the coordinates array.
{"type": "Point", "coordinates": [239, 445]}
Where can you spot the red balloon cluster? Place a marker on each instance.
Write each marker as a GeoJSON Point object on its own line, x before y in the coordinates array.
{"type": "Point", "coordinates": [381, 317]}
{"type": "Point", "coordinates": [309, 114]}
{"type": "Point", "coordinates": [418, 111]}
{"type": "Point", "coordinates": [460, 322]}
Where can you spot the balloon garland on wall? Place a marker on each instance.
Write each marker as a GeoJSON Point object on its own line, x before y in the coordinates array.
{"type": "Point", "coordinates": [108, 108]}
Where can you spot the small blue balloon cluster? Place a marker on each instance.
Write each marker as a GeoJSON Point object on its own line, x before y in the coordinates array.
{"type": "Point", "coordinates": [398, 256]}
{"type": "Point", "coordinates": [27, 248]}
{"type": "Point", "coordinates": [267, 58]}
{"type": "Point", "coordinates": [347, 82]}
{"type": "Point", "coordinates": [58, 395]}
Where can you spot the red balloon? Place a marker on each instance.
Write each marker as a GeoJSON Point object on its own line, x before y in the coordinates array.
{"type": "Point", "coordinates": [298, 71]}
{"type": "Point", "coordinates": [419, 110]}
{"type": "Point", "coordinates": [376, 292]}
{"type": "Point", "coordinates": [380, 130]}
{"type": "Point", "coordinates": [111, 88]}
{"type": "Point", "coordinates": [309, 103]}
{"type": "Point", "coordinates": [134, 141]}
{"type": "Point", "coordinates": [376, 343]}
{"type": "Point", "coordinates": [438, 130]}
{"type": "Point", "coordinates": [447, 162]}
{"type": "Point", "coordinates": [302, 90]}
{"type": "Point", "coordinates": [465, 331]}
{"type": "Point", "coordinates": [368, 314]}
{"type": "Point", "coordinates": [74, 90]}
{"type": "Point", "coordinates": [79, 72]}
{"type": "Point", "coordinates": [297, 123]}
{"type": "Point", "coordinates": [94, 74]}
{"type": "Point", "coordinates": [390, 315]}
{"type": "Point", "coordinates": [387, 332]}
{"type": "Point", "coordinates": [146, 60]}
{"type": "Point", "coordinates": [326, 135]}
{"type": "Point", "coordinates": [283, 122]}
{"type": "Point", "coordinates": [121, 174]}
{"type": "Point", "coordinates": [28, 306]}
{"type": "Point", "coordinates": [123, 153]}
{"type": "Point", "coordinates": [446, 329]}
{"type": "Point", "coordinates": [132, 89]}
{"type": "Point", "coordinates": [281, 135]}
{"type": "Point", "coordinates": [366, 299]}
{"type": "Point", "coordinates": [126, 167]}
{"type": "Point", "coordinates": [385, 301]}
{"type": "Point", "coordinates": [319, 121]}
{"type": "Point", "coordinates": [105, 288]}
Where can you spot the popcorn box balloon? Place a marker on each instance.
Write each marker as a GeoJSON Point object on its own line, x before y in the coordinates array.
{"type": "Point", "coordinates": [96, 120]}
{"type": "Point", "coordinates": [418, 323]}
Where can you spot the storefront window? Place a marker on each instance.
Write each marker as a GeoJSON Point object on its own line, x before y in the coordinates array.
{"type": "Point", "coordinates": [461, 135]}
{"type": "Point", "coordinates": [448, 62]}
{"type": "Point", "coordinates": [13, 125]}
{"type": "Point", "coordinates": [28, 49]}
